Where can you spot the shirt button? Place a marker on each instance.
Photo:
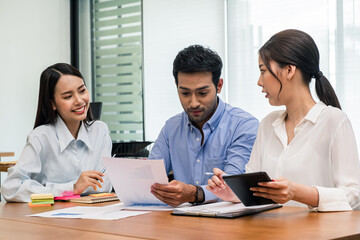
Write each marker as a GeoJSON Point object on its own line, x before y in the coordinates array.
{"type": "Point", "coordinates": [198, 139]}
{"type": "Point", "coordinates": [197, 182]}
{"type": "Point", "coordinates": [198, 160]}
{"type": "Point", "coordinates": [213, 128]}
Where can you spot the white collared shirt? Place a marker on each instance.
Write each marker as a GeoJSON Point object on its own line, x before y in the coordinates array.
{"type": "Point", "coordinates": [52, 160]}
{"type": "Point", "coordinates": [323, 154]}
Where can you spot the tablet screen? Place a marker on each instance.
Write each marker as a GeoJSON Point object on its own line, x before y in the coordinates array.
{"type": "Point", "coordinates": [241, 184]}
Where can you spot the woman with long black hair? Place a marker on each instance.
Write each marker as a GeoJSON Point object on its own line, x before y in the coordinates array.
{"type": "Point", "coordinates": [63, 153]}
{"type": "Point", "coordinates": [309, 149]}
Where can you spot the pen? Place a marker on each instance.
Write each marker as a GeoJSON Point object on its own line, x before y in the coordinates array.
{"type": "Point", "coordinates": [212, 174]}
{"type": "Point", "coordinates": [103, 170]}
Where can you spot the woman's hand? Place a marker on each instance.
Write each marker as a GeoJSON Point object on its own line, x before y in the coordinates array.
{"type": "Point", "coordinates": [88, 179]}
{"type": "Point", "coordinates": [280, 190]}
{"type": "Point", "coordinates": [218, 187]}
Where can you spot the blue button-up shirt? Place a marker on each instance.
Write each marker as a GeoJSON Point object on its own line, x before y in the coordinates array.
{"type": "Point", "coordinates": [228, 139]}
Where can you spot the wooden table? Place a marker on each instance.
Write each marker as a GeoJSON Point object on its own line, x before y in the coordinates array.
{"type": "Point", "coordinates": [7, 154]}
{"type": "Point", "coordinates": [4, 166]}
{"type": "Point", "coordinates": [283, 223]}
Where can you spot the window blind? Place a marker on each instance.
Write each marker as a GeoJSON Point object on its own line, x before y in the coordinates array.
{"type": "Point", "coordinates": [117, 76]}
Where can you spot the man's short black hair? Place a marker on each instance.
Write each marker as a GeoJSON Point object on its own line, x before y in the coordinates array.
{"type": "Point", "coordinates": [197, 58]}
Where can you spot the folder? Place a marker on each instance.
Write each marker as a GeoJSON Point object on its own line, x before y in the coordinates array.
{"type": "Point", "coordinates": [222, 210]}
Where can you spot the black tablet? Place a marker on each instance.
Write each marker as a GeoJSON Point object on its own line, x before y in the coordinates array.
{"type": "Point", "coordinates": [241, 184]}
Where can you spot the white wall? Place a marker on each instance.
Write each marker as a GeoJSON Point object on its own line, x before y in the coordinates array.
{"type": "Point", "coordinates": [170, 26]}
{"type": "Point", "coordinates": [34, 35]}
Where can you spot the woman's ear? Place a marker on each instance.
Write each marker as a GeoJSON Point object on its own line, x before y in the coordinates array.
{"type": "Point", "coordinates": [53, 105]}
{"type": "Point", "coordinates": [290, 71]}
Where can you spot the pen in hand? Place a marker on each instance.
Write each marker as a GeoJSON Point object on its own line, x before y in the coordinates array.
{"type": "Point", "coordinates": [209, 173]}
{"type": "Point", "coordinates": [212, 174]}
{"type": "Point", "coordinates": [102, 171]}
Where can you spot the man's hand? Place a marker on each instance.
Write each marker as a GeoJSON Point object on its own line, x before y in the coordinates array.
{"type": "Point", "coordinates": [88, 179]}
{"type": "Point", "coordinates": [174, 193]}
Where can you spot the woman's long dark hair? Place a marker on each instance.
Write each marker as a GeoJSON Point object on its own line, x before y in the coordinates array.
{"type": "Point", "coordinates": [294, 47]}
{"type": "Point", "coordinates": [50, 76]}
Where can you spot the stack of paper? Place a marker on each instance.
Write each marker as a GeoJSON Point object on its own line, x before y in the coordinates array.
{"type": "Point", "coordinates": [41, 200]}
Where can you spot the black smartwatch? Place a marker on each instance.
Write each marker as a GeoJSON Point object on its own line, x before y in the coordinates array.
{"type": "Point", "coordinates": [199, 195]}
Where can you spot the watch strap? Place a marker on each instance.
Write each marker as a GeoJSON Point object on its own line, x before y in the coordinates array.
{"type": "Point", "coordinates": [199, 195]}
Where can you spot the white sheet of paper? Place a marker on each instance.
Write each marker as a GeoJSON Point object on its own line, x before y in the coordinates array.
{"type": "Point", "coordinates": [150, 207]}
{"type": "Point", "coordinates": [132, 179]}
{"type": "Point", "coordinates": [111, 212]}
{"type": "Point", "coordinates": [146, 207]}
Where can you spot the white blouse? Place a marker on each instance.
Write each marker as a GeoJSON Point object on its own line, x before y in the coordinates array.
{"type": "Point", "coordinates": [52, 160]}
{"type": "Point", "coordinates": [323, 154]}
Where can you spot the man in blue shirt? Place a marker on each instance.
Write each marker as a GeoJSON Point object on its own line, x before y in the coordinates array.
{"type": "Point", "coordinates": [208, 134]}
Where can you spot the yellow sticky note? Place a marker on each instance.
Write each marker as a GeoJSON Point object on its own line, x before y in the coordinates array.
{"type": "Point", "coordinates": [102, 195]}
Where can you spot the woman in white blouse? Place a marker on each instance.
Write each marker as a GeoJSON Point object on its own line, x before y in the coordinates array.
{"type": "Point", "coordinates": [309, 149]}
{"type": "Point", "coordinates": [63, 153]}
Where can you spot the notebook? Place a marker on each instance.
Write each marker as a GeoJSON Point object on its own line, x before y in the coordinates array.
{"type": "Point", "coordinates": [222, 210]}
{"type": "Point", "coordinates": [96, 198]}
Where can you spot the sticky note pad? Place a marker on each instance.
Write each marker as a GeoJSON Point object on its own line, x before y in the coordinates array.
{"type": "Point", "coordinates": [41, 196]}
{"type": "Point", "coordinates": [65, 198]}
{"type": "Point", "coordinates": [39, 205]}
{"type": "Point", "coordinates": [102, 195]}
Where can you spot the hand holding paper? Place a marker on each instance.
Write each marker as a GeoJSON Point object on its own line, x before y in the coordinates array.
{"type": "Point", "coordinates": [174, 193]}
{"type": "Point", "coordinates": [132, 179]}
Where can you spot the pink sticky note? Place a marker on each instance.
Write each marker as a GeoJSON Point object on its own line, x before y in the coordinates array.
{"type": "Point", "coordinates": [64, 198]}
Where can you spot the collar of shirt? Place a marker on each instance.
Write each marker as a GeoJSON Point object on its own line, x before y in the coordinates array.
{"type": "Point", "coordinates": [215, 118]}
{"type": "Point", "coordinates": [314, 112]}
{"type": "Point", "coordinates": [311, 116]}
{"type": "Point", "coordinates": [65, 137]}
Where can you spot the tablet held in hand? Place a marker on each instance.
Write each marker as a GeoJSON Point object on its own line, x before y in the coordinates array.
{"type": "Point", "coordinates": [240, 184]}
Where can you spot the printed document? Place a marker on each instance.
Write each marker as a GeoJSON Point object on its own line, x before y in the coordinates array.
{"type": "Point", "coordinates": [132, 179]}
{"type": "Point", "coordinates": [111, 212]}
